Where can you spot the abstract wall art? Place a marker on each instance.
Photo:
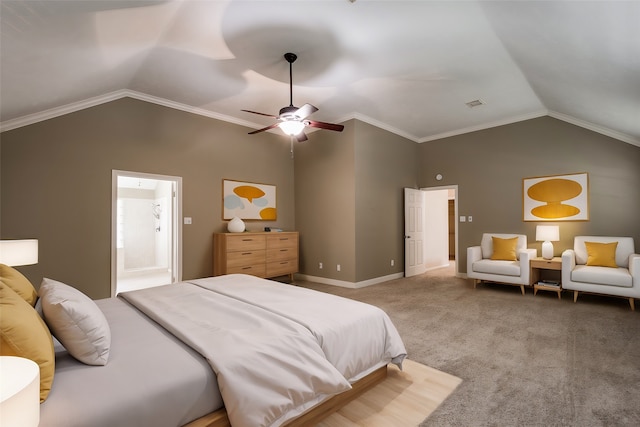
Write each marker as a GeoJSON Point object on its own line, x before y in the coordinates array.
{"type": "Point", "coordinates": [556, 198]}
{"type": "Point", "coordinates": [248, 200]}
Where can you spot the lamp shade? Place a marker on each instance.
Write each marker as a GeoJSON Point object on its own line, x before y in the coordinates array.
{"type": "Point", "coordinates": [19, 252]}
{"type": "Point", "coordinates": [19, 391]}
{"type": "Point", "coordinates": [547, 233]}
{"type": "Point", "coordinates": [291, 127]}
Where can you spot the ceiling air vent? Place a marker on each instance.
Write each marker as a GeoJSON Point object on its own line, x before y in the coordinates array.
{"type": "Point", "coordinates": [474, 103]}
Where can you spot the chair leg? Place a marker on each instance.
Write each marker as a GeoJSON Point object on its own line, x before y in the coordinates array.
{"type": "Point", "coordinates": [475, 282]}
{"type": "Point", "coordinates": [522, 289]}
{"type": "Point", "coordinates": [575, 296]}
{"type": "Point", "coordinates": [632, 304]}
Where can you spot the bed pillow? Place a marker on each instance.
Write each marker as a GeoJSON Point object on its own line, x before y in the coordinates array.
{"type": "Point", "coordinates": [504, 249]}
{"type": "Point", "coordinates": [601, 254]}
{"type": "Point", "coordinates": [20, 284]}
{"type": "Point", "coordinates": [76, 321]}
{"type": "Point", "coordinates": [24, 334]}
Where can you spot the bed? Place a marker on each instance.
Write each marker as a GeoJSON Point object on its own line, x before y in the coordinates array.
{"type": "Point", "coordinates": [227, 350]}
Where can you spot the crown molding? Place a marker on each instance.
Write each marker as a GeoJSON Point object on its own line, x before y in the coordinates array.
{"type": "Point", "coordinates": [112, 96]}
{"type": "Point", "coordinates": [507, 121]}
{"type": "Point", "coordinates": [596, 128]}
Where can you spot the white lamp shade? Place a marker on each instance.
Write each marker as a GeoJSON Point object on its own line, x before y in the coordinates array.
{"type": "Point", "coordinates": [547, 233]}
{"type": "Point", "coordinates": [19, 392]}
{"type": "Point", "coordinates": [291, 127]}
{"type": "Point", "coordinates": [19, 252]}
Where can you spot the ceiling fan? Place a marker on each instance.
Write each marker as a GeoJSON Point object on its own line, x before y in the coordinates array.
{"type": "Point", "coordinates": [292, 120]}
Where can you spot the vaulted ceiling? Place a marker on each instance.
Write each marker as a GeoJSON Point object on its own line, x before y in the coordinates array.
{"type": "Point", "coordinates": [407, 66]}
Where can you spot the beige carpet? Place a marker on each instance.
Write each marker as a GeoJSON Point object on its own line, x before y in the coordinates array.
{"type": "Point", "coordinates": [524, 360]}
{"type": "Point", "coordinates": [404, 398]}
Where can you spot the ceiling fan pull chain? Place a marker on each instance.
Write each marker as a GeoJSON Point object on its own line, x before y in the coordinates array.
{"type": "Point", "coordinates": [291, 137]}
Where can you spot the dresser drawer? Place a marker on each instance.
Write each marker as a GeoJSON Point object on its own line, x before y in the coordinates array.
{"type": "Point", "coordinates": [281, 254]}
{"type": "Point", "coordinates": [280, 268]}
{"type": "Point", "coordinates": [245, 243]}
{"type": "Point", "coordinates": [245, 257]}
{"type": "Point", "coordinates": [282, 241]}
{"type": "Point", "coordinates": [254, 270]}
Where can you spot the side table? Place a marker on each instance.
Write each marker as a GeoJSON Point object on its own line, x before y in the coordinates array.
{"type": "Point", "coordinates": [537, 265]}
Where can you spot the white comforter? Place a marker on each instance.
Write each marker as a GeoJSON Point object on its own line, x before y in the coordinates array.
{"type": "Point", "coordinates": [357, 338]}
{"type": "Point", "coordinates": [276, 349]}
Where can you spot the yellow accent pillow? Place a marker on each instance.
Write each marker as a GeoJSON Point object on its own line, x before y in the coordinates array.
{"type": "Point", "coordinates": [20, 284]}
{"type": "Point", "coordinates": [601, 254]}
{"type": "Point", "coordinates": [23, 333]}
{"type": "Point", "coordinates": [504, 249]}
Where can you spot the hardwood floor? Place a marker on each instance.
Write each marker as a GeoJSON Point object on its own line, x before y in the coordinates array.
{"type": "Point", "coordinates": [404, 398]}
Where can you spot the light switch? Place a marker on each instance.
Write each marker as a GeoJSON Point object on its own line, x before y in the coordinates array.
{"type": "Point", "coordinates": [463, 218]}
{"type": "Point", "coordinates": [470, 218]}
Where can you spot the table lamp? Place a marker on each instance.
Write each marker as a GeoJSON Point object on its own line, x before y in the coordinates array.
{"type": "Point", "coordinates": [19, 392]}
{"type": "Point", "coordinates": [19, 252]}
{"type": "Point", "coordinates": [547, 234]}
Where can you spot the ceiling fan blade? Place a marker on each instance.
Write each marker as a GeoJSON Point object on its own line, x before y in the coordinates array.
{"type": "Point", "coordinates": [323, 125]}
{"type": "Point", "coordinates": [301, 137]}
{"type": "Point", "coordinates": [263, 129]}
{"type": "Point", "coordinates": [262, 114]}
{"type": "Point", "coordinates": [305, 111]}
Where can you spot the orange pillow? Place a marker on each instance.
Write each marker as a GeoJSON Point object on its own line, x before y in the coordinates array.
{"type": "Point", "coordinates": [504, 249]}
{"type": "Point", "coordinates": [23, 333]}
{"type": "Point", "coordinates": [20, 284]}
{"type": "Point", "coordinates": [601, 254]}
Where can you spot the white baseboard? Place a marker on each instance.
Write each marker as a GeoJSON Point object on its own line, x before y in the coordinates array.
{"type": "Point", "coordinates": [352, 285]}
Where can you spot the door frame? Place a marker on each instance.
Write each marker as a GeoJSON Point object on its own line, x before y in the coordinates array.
{"type": "Point", "coordinates": [455, 207]}
{"type": "Point", "coordinates": [176, 223]}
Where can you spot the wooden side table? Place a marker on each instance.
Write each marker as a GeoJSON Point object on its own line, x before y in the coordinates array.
{"type": "Point", "coordinates": [537, 265]}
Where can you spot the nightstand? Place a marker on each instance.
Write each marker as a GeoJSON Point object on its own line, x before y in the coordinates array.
{"type": "Point", "coordinates": [538, 265]}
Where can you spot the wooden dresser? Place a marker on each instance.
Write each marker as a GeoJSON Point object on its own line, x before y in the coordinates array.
{"type": "Point", "coordinates": [268, 254]}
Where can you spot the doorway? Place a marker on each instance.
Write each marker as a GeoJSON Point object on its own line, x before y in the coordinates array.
{"type": "Point", "coordinates": [146, 242]}
{"type": "Point", "coordinates": [439, 229]}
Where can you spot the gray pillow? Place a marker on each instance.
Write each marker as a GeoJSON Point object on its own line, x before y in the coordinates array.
{"type": "Point", "coordinates": [76, 321]}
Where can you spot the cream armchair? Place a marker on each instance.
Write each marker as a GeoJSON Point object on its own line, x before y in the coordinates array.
{"type": "Point", "coordinates": [621, 278]}
{"type": "Point", "coordinates": [516, 271]}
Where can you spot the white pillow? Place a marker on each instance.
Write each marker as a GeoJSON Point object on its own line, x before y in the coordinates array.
{"type": "Point", "coordinates": [76, 321]}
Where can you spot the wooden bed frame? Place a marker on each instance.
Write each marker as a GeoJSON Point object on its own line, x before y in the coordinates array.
{"type": "Point", "coordinates": [313, 415]}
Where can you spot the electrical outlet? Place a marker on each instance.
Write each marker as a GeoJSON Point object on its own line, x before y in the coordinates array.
{"type": "Point", "coordinates": [187, 220]}
{"type": "Point", "coordinates": [470, 218]}
{"type": "Point", "coordinates": [393, 263]}
{"type": "Point", "coordinates": [338, 267]}
{"type": "Point", "coordinates": [320, 265]}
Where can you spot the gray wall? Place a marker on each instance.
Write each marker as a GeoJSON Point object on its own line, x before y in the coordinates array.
{"type": "Point", "coordinates": [342, 191]}
{"type": "Point", "coordinates": [56, 183]}
{"type": "Point", "coordinates": [325, 203]}
{"type": "Point", "coordinates": [349, 201]}
{"type": "Point", "coordinates": [385, 164]}
{"type": "Point", "coordinates": [489, 165]}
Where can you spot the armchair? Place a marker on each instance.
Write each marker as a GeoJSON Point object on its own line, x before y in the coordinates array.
{"type": "Point", "coordinates": [583, 270]}
{"type": "Point", "coordinates": [513, 270]}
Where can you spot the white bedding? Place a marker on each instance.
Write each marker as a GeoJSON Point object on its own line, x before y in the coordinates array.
{"type": "Point", "coordinates": [357, 338]}
{"type": "Point", "coordinates": [276, 349]}
{"type": "Point", "coordinates": [151, 379]}
{"type": "Point", "coordinates": [269, 368]}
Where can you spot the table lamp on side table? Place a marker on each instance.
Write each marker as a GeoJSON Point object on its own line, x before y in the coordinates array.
{"type": "Point", "coordinates": [547, 234]}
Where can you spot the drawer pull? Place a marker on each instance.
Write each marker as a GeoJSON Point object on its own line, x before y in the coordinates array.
{"type": "Point", "coordinates": [247, 240]}
{"type": "Point", "coordinates": [284, 250]}
{"type": "Point", "coordinates": [247, 253]}
{"type": "Point", "coordinates": [246, 268]}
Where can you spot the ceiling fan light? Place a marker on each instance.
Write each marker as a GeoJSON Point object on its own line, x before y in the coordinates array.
{"type": "Point", "coordinates": [291, 127]}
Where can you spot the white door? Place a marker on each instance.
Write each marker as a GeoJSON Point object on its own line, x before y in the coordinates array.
{"type": "Point", "coordinates": [146, 241]}
{"type": "Point", "coordinates": [414, 203]}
